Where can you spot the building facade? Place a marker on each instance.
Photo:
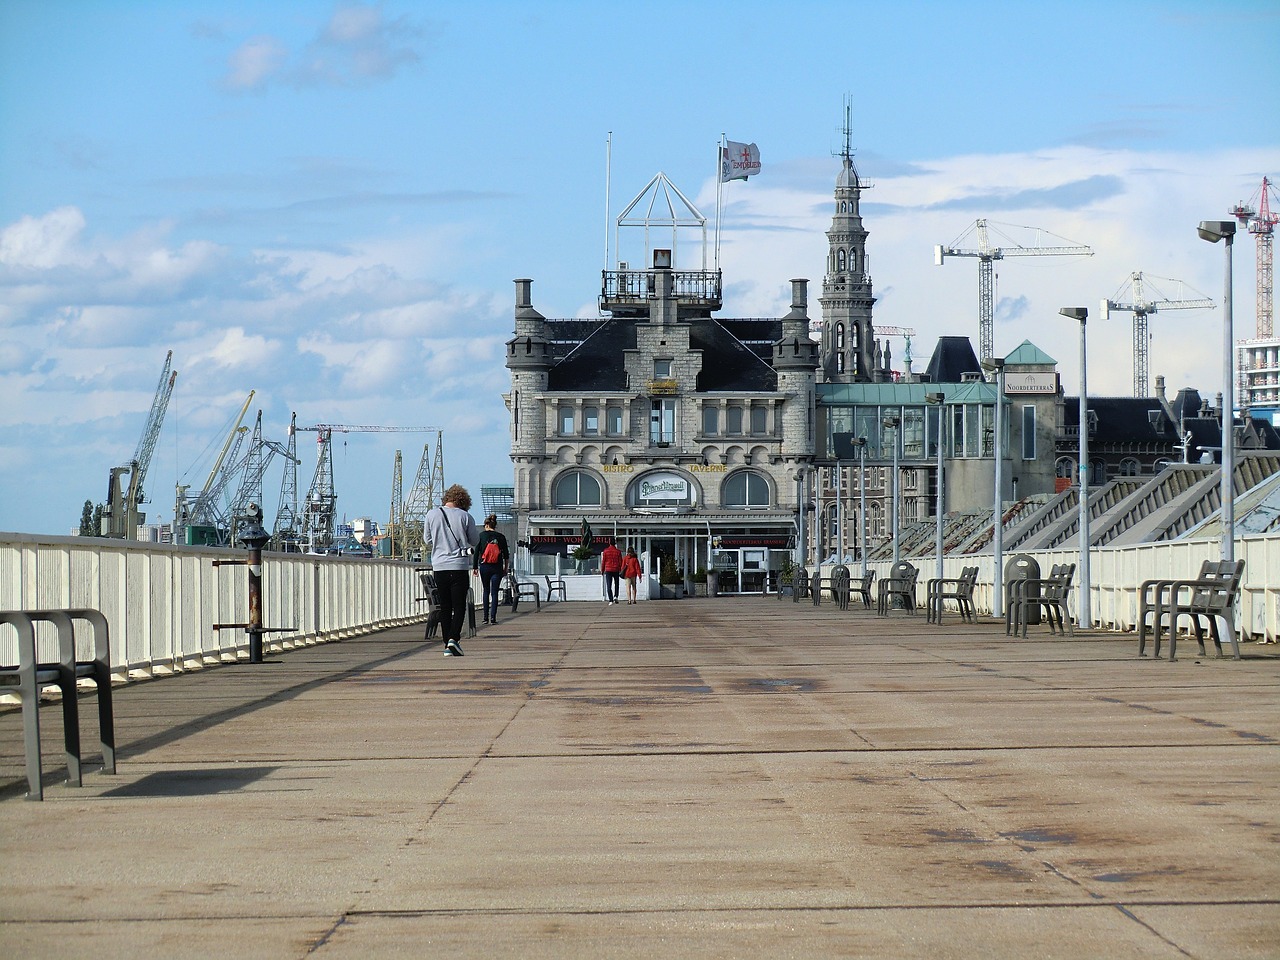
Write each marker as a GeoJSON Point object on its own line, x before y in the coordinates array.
{"type": "Point", "coordinates": [660, 427]}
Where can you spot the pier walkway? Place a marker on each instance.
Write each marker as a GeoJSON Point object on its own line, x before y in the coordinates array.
{"type": "Point", "coordinates": [701, 778]}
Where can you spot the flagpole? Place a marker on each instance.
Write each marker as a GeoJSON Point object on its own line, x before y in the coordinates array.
{"type": "Point", "coordinates": [608, 171]}
{"type": "Point", "coordinates": [719, 191]}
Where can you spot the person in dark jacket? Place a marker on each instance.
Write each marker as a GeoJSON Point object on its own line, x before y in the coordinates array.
{"type": "Point", "coordinates": [493, 559]}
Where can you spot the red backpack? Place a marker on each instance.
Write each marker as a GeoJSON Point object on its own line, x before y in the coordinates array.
{"type": "Point", "coordinates": [492, 553]}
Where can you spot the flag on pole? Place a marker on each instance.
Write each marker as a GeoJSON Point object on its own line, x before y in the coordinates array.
{"type": "Point", "coordinates": [738, 161]}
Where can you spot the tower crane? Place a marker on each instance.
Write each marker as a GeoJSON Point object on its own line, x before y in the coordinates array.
{"type": "Point", "coordinates": [320, 507]}
{"type": "Point", "coordinates": [120, 517]}
{"type": "Point", "coordinates": [987, 254]}
{"type": "Point", "coordinates": [1136, 296]}
{"type": "Point", "coordinates": [1261, 222]}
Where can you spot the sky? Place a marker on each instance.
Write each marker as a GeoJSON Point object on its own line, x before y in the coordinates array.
{"type": "Point", "coordinates": [327, 203]}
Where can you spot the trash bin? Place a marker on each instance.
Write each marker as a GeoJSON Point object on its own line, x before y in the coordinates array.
{"type": "Point", "coordinates": [1023, 567]}
{"type": "Point", "coordinates": [713, 583]}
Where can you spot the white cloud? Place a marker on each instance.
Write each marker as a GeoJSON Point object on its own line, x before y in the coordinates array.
{"type": "Point", "coordinates": [358, 45]}
{"type": "Point", "coordinates": [254, 63]}
{"type": "Point", "coordinates": [42, 243]}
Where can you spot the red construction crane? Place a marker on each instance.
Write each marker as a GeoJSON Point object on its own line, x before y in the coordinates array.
{"type": "Point", "coordinates": [1261, 222]}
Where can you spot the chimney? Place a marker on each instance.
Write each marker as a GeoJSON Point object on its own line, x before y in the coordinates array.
{"type": "Point", "coordinates": [1160, 388]}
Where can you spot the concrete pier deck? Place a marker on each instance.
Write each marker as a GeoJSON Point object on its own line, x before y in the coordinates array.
{"type": "Point", "coordinates": [702, 778]}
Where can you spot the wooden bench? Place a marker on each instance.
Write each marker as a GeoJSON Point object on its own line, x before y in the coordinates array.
{"type": "Point", "coordinates": [899, 585]}
{"type": "Point", "coordinates": [959, 589]}
{"type": "Point", "coordinates": [1210, 595]}
{"type": "Point", "coordinates": [1051, 593]}
{"type": "Point", "coordinates": [26, 679]}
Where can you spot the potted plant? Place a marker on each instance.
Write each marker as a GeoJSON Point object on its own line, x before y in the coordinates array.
{"type": "Point", "coordinates": [582, 556]}
{"type": "Point", "coordinates": [699, 578]}
{"type": "Point", "coordinates": [670, 579]}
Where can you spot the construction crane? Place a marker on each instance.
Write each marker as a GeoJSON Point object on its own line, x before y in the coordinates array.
{"type": "Point", "coordinates": [427, 484]}
{"type": "Point", "coordinates": [397, 503]}
{"type": "Point", "coordinates": [120, 516]}
{"type": "Point", "coordinates": [320, 507]}
{"type": "Point", "coordinates": [192, 512]}
{"type": "Point", "coordinates": [1261, 222]}
{"type": "Point", "coordinates": [1139, 296]}
{"type": "Point", "coordinates": [251, 469]}
{"type": "Point", "coordinates": [987, 254]}
{"type": "Point", "coordinates": [285, 534]}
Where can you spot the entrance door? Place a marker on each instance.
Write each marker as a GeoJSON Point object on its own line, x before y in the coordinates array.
{"type": "Point", "coordinates": [753, 576]}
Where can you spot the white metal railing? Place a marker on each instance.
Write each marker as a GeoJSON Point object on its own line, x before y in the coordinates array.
{"type": "Point", "coordinates": [161, 601]}
{"type": "Point", "coordinates": [1117, 574]}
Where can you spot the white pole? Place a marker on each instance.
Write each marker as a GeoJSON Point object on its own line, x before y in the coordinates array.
{"type": "Point", "coordinates": [1086, 613]}
{"type": "Point", "coordinates": [1227, 493]}
{"type": "Point", "coordinates": [997, 511]}
{"type": "Point", "coordinates": [608, 172]}
{"type": "Point", "coordinates": [862, 502]}
{"type": "Point", "coordinates": [719, 193]}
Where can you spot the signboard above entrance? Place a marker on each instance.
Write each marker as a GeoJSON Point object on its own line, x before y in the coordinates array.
{"type": "Point", "coordinates": [1045, 381]}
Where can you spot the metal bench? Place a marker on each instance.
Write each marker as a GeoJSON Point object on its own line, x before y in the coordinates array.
{"type": "Point", "coordinates": [1210, 595]}
{"type": "Point", "coordinates": [26, 679]}
{"type": "Point", "coordinates": [862, 587]}
{"type": "Point", "coordinates": [839, 582]}
{"type": "Point", "coordinates": [959, 589]}
{"type": "Point", "coordinates": [900, 585]}
{"type": "Point", "coordinates": [518, 590]}
{"type": "Point", "coordinates": [1050, 593]}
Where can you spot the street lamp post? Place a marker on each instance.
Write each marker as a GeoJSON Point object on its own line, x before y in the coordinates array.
{"type": "Point", "coordinates": [861, 443]}
{"type": "Point", "coordinates": [802, 553]}
{"type": "Point", "coordinates": [891, 423]}
{"type": "Point", "coordinates": [1213, 231]}
{"type": "Point", "coordinates": [937, 399]}
{"type": "Point", "coordinates": [996, 364]}
{"type": "Point", "coordinates": [1081, 314]}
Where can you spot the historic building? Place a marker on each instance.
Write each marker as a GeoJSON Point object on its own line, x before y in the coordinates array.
{"type": "Point", "coordinates": [662, 427]}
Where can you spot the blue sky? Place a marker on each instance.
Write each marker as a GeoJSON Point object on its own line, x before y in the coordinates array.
{"type": "Point", "coordinates": [327, 203]}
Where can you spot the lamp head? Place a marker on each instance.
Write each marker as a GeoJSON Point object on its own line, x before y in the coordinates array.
{"type": "Point", "coordinates": [992, 364]}
{"type": "Point", "coordinates": [1080, 314]}
{"type": "Point", "coordinates": [934, 397]}
{"type": "Point", "coordinates": [859, 442]}
{"type": "Point", "coordinates": [891, 421]}
{"type": "Point", "coordinates": [1215, 230]}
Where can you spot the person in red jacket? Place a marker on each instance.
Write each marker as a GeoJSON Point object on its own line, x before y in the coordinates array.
{"type": "Point", "coordinates": [611, 566]}
{"type": "Point", "coordinates": [631, 572]}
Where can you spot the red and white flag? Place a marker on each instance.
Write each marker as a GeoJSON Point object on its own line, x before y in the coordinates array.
{"type": "Point", "coordinates": [738, 161]}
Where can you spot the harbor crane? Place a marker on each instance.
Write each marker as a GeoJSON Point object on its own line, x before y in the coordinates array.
{"type": "Point", "coordinates": [192, 512]}
{"type": "Point", "coordinates": [1139, 296]}
{"type": "Point", "coordinates": [1261, 222]}
{"type": "Point", "coordinates": [987, 254]}
{"type": "Point", "coordinates": [320, 507]}
{"type": "Point", "coordinates": [120, 516]}
{"type": "Point", "coordinates": [251, 470]}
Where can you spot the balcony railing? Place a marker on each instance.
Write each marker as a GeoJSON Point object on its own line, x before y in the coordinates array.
{"type": "Point", "coordinates": [621, 287]}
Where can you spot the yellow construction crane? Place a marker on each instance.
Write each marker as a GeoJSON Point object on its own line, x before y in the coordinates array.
{"type": "Point", "coordinates": [987, 254]}
{"type": "Point", "coordinates": [1135, 296]}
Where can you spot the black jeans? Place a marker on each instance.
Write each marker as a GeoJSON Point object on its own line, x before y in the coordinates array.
{"type": "Point", "coordinates": [491, 577]}
{"type": "Point", "coordinates": [453, 586]}
{"type": "Point", "coordinates": [611, 584]}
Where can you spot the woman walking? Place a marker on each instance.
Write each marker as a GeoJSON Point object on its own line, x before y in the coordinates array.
{"type": "Point", "coordinates": [492, 560]}
{"type": "Point", "coordinates": [631, 572]}
{"type": "Point", "coordinates": [453, 535]}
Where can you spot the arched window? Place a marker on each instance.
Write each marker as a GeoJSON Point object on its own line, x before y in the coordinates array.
{"type": "Point", "coordinates": [1130, 467]}
{"type": "Point", "coordinates": [1097, 473]}
{"type": "Point", "coordinates": [839, 363]}
{"type": "Point", "coordinates": [1065, 468]}
{"type": "Point", "coordinates": [576, 489]}
{"type": "Point", "coordinates": [745, 490]}
{"type": "Point", "coordinates": [839, 336]}
{"type": "Point", "coordinates": [840, 261]}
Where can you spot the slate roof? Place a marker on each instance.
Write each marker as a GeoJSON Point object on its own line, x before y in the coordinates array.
{"type": "Point", "coordinates": [952, 358]}
{"type": "Point", "coordinates": [589, 354]}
